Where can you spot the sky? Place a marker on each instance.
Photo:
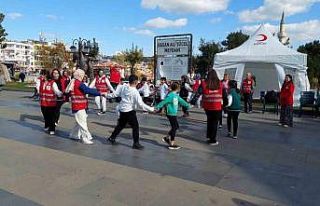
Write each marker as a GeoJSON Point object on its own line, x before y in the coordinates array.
{"type": "Point", "coordinates": [117, 24]}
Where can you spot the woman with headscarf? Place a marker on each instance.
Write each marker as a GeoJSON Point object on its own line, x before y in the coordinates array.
{"type": "Point", "coordinates": [79, 105]}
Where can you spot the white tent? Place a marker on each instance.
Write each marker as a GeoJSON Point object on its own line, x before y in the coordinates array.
{"type": "Point", "coordinates": [269, 61]}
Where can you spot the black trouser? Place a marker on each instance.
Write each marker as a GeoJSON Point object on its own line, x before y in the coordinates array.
{"type": "Point", "coordinates": [212, 124]}
{"type": "Point", "coordinates": [49, 117]}
{"type": "Point", "coordinates": [233, 115]}
{"type": "Point", "coordinates": [185, 109]}
{"type": "Point", "coordinates": [57, 112]}
{"type": "Point", "coordinates": [286, 115]}
{"type": "Point", "coordinates": [247, 102]}
{"type": "Point", "coordinates": [131, 119]}
{"type": "Point", "coordinates": [174, 126]}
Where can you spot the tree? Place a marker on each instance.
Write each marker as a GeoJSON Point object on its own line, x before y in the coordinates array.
{"type": "Point", "coordinates": [205, 59]}
{"type": "Point", "coordinates": [120, 58]}
{"type": "Point", "coordinates": [313, 51]}
{"type": "Point", "coordinates": [133, 56]}
{"type": "Point", "coordinates": [234, 39]}
{"type": "Point", "coordinates": [3, 33]}
{"type": "Point", "coordinates": [54, 56]}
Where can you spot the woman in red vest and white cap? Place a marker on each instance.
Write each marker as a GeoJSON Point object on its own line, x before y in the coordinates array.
{"type": "Point", "coordinates": [212, 104]}
{"type": "Point", "coordinates": [102, 84]}
{"type": "Point", "coordinates": [79, 105]}
{"type": "Point", "coordinates": [48, 91]}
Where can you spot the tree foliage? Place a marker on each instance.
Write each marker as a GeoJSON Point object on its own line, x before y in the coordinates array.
{"type": "Point", "coordinates": [3, 33]}
{"type": "Point", "coordinates": [205, 60]}
{"type": "Point", "coordinates": [54, 56]}
{"type": "Point", "coordinates": [133, 56]}
{"type": "Point", "coordinates": [313, 51]}
{"type": "Point", "coordinates": [234, 39]}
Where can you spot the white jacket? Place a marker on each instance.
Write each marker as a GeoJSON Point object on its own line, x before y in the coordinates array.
{"type": "Point", "coordinates": [130, 99]}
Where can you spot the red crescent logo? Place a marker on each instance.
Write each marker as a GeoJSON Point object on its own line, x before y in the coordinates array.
{"type": "Point", "coordinates": [263, 37]}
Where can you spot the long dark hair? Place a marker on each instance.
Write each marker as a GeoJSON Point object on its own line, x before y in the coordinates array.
{"type": "Point", "coordinates": [212, 81]}
{"type": "Point", "coordinates": [58, 81]}
{"type": "Point", "coordinates": [291, 80]}
{"type": "Point", "coordinates": [233, 85]}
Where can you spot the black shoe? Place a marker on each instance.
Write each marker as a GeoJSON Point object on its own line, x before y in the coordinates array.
{"type": "Point", "coordinates": [174, 147]}
{"type": "Point", "coordinates": [166, 140]}
{"type": "Point", "coordinates": [137, 146]}
{"type": "Point", "coordinates": [112, 140]}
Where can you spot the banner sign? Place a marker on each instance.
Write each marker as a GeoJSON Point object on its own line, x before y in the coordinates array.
{"type": "Point", "coordinates": [172, 56]}
{"type": "Point", "coordinates": [173, 46]}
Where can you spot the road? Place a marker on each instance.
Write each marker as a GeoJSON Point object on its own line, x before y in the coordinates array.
{"type": "Point", "coordinates": [267, 165]}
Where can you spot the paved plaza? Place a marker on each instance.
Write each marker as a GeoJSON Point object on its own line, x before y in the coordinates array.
{"type": "Point", "coordinates": [268, 165]}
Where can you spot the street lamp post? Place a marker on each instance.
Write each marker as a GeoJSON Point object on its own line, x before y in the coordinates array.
{"type": "Point", "coordinates": [81, 47]}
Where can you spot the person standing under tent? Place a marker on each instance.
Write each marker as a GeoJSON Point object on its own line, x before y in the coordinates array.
{"type": "Point", "coordinates": [286, 102]}
{"type": "Point", "coordinates": [79, 106]}
{"type": "Point", "coordinates": [130, 100]}
{"type": "Point", "coordinates": [49, 91]}
{"type": "Point", "coordinates": [233, 108]}
{"type": "Point", "coordinates": [212, 104]}
{"type": "Point", "coordinates": [102, 84]}
{"type": "Point", "coordinates": [247, 92]}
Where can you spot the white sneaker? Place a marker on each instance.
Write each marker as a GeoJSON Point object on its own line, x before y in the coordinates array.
{"type": "Point", "coordinates": [86, 141]}
{"type": "Point", "coordinates": [220, 126]}
{"type": "Point", "coordinates": [51, 132]}
{"type": "Point", "coordinates": [279, 124]}
{"type": "Point", "coordinates": [46, 129]}
{"type": "Point", "coordinates": [225, 115]}
{"type": "Point", "coordinates": [235, 137]}
{"type": "Point", "coordinates": [286, 126]}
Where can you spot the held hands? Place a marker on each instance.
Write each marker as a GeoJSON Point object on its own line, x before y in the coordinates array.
{"type": "Point", "coordinates": [104, 94]}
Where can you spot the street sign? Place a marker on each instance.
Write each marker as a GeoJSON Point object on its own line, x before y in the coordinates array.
{"type": "Point", "coordinates": [173, 55]}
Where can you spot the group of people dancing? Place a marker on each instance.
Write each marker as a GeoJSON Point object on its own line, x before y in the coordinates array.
{"type": "Point", "coordinates": [217, 98]}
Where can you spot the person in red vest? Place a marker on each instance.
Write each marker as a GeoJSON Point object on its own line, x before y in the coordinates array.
{"type": "Point", "coordinates": [247, 92]}
{"type": "Point", "coordinates": [115, 76]}
{"type": "Point", "coordinates": [102, 84]}
{"type": "Point", "coordinates": [64, 81]}
{"type": "Point", "coordinates": [286, 102]}
{"type": "Point", "coordinates": [212, 104]}
{"type": "Point", "coordinates": [79, 105]}
{"type": "Point", "coordinates": [49, 92]}
{"type": "Point", "coordinates": [38, 81]}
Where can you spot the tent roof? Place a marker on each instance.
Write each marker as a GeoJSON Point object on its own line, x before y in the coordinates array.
{"type": "Point", "coordinates": [262, 46]}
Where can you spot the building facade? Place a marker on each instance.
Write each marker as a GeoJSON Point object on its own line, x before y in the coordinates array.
{"type": "Point", "coordinates": [19, 53]}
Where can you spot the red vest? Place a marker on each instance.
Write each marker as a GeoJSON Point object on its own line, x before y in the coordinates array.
{"type": "Point", "coordinates": [101, 84]}
{"type": "Point", "coordinates": [47, 96]}
{"type": "Point", "coordinates": [247, 86]}
{"type": "Point", "coordinates": [78, 98]}
{"type": "Point", "coordinates": [211, 99]}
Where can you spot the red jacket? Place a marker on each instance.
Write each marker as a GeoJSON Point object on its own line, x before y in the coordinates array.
{"type": "Point", "coordinates": [286, 94]}
{"type": "Point", "coordinates": [79, 100]}
{"type": "Point", "coordinates": [211, 99]}
{"type": "Point", "coordinates": [115, 75]}
{"type": "Point", "coordinates": [101, 84]}
{"type": "Point", "coordinates": [47, 96]}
